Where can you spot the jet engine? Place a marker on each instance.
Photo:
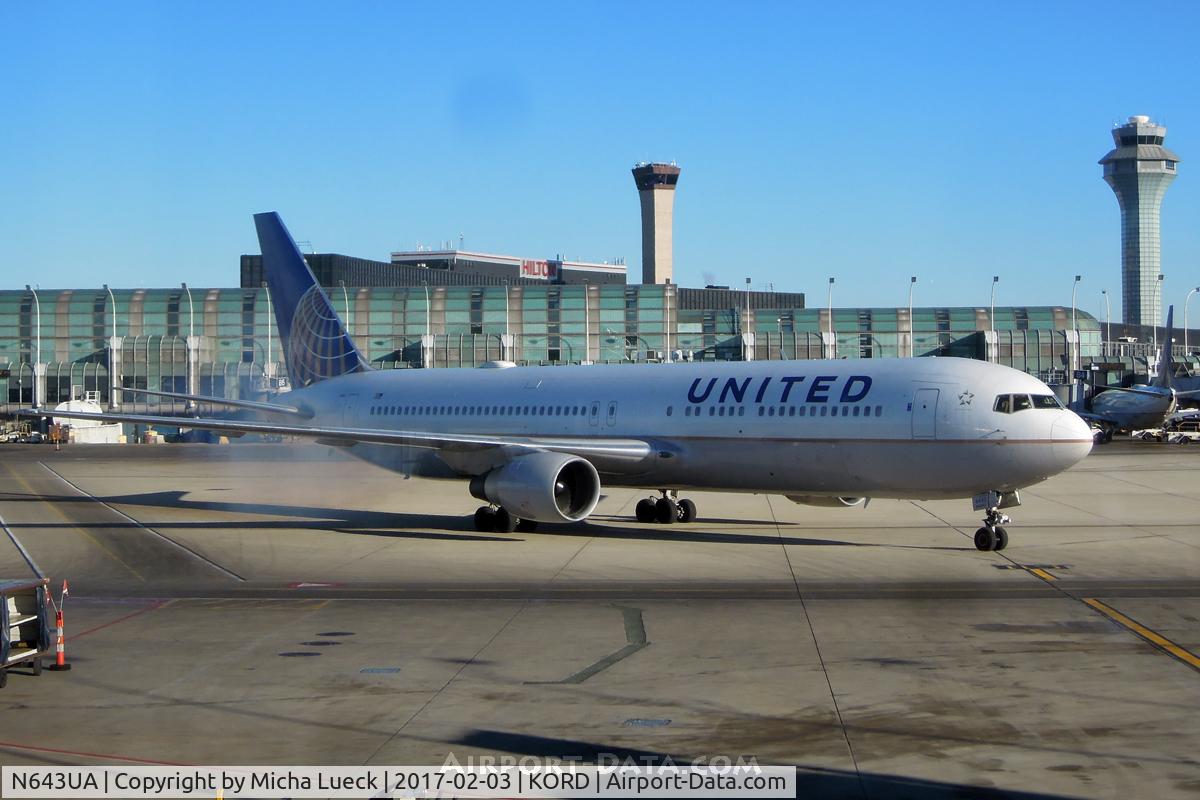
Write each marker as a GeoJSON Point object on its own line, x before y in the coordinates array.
{"type": "Point", "coordinates": [547, 487]}
{"type": "Point", "coordinates": [827, 502]}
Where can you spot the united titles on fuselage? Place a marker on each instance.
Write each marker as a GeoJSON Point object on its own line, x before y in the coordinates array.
{"type": "Point", "coordinates": [821, 389]}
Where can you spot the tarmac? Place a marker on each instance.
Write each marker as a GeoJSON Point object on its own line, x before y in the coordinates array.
{"type": "Point", "coordinates": [285, 604]}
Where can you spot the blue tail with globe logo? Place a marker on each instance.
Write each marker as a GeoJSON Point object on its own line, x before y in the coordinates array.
{"type": "Point", "coordinates": [316, 345]}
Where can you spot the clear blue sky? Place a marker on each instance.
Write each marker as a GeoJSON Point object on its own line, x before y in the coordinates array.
{"type": "Point", "coordinates": [868, 141]}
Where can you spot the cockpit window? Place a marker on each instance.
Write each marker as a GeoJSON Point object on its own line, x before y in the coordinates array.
{"type": "Point", "coordinates": [1046, 401]}
{"type": "Point", "coordinates": [1012, 403]}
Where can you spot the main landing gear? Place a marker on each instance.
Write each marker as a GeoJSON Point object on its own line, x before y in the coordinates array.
{"type": "Point", "coordinates": [665, 510]}
{"type": "Point", "coordinates": [494, 519]}
{"type": "Point", "coordinates": [992, 536]}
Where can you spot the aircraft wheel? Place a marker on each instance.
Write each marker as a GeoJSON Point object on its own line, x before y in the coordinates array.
{"type": "Point", "coordinates": [1001, 539]}
{"type": "Point", "coordinates": [985, 539]}
{"type": "Point", "coordinates": [485, 519]}
{"type": "Point", "coordinates": [505, 522]}
{"type": "Point", "coordinates": [687, 510]}
{"type": "Point", "coordinates": [1108, 437]}
{"type": "Point", "coordinates": [665, 510]}
{"type": "Point", "coordinates": [645, 511]}
{"type": "Point", "coordinates": [527, 525]}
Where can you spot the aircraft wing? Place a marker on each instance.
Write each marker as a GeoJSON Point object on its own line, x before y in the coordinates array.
{"type": "Point", "coordinates": [1160, 393]}
{"type": "Point", "coordinates": [270, 408]}
{"type": "Point", "coordinates": [625, 451]}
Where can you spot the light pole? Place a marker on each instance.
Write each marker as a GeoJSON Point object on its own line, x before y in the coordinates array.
{"type": "Point", "coordinates": [749, 324]}
{"type": "Point", "coordinates": [1074, 330]}
{"type": "Point", "coordinates": [831, 308]}
{"type": "Point", "coordinates": [779, 324]}
{"type": "Point", "coordinates": [912, 282]}
{"type": "Point", "coordinates": [114, 305]}
{"type": "Point", "coordinates": [346, 303]}
{"type": "Point", "coordinates": [37, 395]}
{"type": "Point", "coordinates": [1107, 320]}
{"type": "Point", "coordinates": [270, 318]}
{"type": "Point", "coordinates": [1186, 300]}
{"type": "Point", "coordinates": [427, 339]}
{"type": "Point", "coordinates": [191, 314]}
{"type": "Point", "coordinates": [113, 356]}
{"type": "Point", "coordinates": [992, 315]}
{"type": "Point", "coordinates": [506, 344]}
{"type": "Point", "coordinates": [748, 331]}
{"type": "Point", "coordinates": [587, 326]}
{"type": "Point", "coordinates": [190, 343]}
{"type": "Point", "coordinates": [1157, 308]}
{"type": "Point", "coordinates": [425, 286]}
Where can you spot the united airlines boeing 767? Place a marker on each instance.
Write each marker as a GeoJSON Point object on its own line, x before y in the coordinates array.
{"type": "Point", "coordinates": [537, 443]}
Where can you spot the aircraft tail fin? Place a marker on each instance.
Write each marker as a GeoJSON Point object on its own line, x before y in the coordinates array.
{"type": "Point", "coordinates": [316, 345]}
{"type": "Point", "coordinates": [1166, 367]}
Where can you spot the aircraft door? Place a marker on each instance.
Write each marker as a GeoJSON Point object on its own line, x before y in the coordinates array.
{"type": "Point", "coordinates": [594, 415]}
{"type": "Point", "coordinates": [924, 414]}
{"type": "Point", "coordinates": [349, 409]}
{"type": "Point", "coordinates": [612, 413]}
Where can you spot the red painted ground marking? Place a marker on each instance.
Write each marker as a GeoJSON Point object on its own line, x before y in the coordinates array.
{"type": "Point", "coordinates": [157, 604]}
{"type": "Point", "coordinates": [108, 756]}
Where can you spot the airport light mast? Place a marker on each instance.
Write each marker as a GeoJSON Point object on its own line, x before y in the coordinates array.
{"type": "Point", "coordinates": [1187, 300]}
{"type": "Point", "coordinates": [37, 362]}
{"type": "Point", "coordinates": [114, 357]}
{"type": "Point", "coordinates": [912, 282]}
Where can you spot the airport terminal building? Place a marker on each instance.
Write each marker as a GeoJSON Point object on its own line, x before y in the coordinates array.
{"type": "Point", "coordinates": [224, 341]}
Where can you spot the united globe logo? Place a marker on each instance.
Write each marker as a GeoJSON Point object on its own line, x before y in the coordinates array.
{"type": "Point", "coordinates": [317, 347]}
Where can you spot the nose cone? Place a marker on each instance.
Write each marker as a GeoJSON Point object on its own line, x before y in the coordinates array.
{"type": "Point", "coordinates": [1072, 440]}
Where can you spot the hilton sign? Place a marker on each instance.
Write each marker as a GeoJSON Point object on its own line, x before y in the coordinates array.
{"type": "Point", "coordinates": [541, 270]}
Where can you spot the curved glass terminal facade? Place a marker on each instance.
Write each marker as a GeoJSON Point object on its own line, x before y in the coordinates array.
{"type": "Point", "coordinates": [236, 350]}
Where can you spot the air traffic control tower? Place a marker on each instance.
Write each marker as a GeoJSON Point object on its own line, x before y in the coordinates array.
{"type": "Point", "coordinates": [656, 185]}
{"type": "Point", "coordinates": [1139, 170]}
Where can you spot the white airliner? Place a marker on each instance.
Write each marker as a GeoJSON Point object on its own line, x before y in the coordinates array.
{"type": "Point", "coordinates": [537, 443]}
{"type": "Point", "coordinates": [1117, 408]}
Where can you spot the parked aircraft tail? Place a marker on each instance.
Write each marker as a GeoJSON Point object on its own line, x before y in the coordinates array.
{"type": "Point", "coordinates": [316, 345]}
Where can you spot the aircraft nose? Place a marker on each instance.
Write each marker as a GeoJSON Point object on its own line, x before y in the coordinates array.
{"type": "Point", "coordinates": [1072, 440]}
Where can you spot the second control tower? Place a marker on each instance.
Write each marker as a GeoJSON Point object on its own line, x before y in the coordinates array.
{"type": "Point", "coordinates": [656, 185]}
{"type": "Point", "coordinates": [1139, 170]}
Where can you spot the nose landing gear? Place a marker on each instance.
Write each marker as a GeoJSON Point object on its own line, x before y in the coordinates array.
{"type": "Point", "coordinates": [665, 510]}
{"type": "Point", "coordinates": [992, 536]}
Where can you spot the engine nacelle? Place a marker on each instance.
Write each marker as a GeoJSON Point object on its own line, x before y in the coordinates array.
{"type": "Point", "coordinates": [547, 487]}
{"type": "Point", "coordinates": [827, 502]}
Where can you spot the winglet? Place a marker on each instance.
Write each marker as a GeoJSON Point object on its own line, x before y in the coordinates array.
{"type": "Point", "coordinates": [316, 346]}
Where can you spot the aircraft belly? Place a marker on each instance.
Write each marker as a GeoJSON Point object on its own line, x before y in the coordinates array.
{"type": "Point", "coordinates": [928, 469]}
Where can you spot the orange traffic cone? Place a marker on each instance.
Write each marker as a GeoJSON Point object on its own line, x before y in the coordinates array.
{"type": "Point", "coordinates": [60, 655]}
